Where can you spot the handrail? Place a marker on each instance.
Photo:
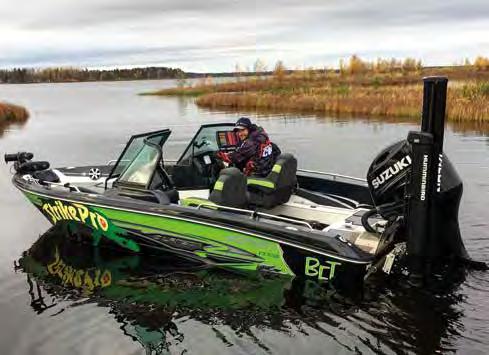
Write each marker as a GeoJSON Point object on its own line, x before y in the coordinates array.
{"type": "Point", "coordinates": [110, 162]}
{"type": "Point", "coordinates": [65, 185]}
{"type": "Point", "coordinates": [254, 214]}
{"type": "Point", "coordinates": [280, 218]}
{"type": "Point", "coordinates": [334, 175]}
{"type": "Point", "coordinates": [212, 206]}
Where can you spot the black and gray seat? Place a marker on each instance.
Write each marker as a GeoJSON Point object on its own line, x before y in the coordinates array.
{"type": "Point", "coordinates": [277, 187]}
{"type": "Point", "coordinates": [230, 189]}
{"type": "Point", "coordinates": [233, 189]}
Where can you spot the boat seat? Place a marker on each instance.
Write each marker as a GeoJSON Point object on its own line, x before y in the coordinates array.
{"type": "Point", "coordinates": [229, 190]}
{"type": "Point", "coordinates": [277, 187]}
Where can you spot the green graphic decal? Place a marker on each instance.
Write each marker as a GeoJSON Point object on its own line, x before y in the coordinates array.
{"type": "Point", "coordinates": [75, 212]}
{"type": "Point", "coordinates": [57, 211]}
{"type": "Point", "coordinates": [249, 252]}
{"type": "Point", "coordinates": [233, 249]}
{"type": "Point", "coordinates": [313, 267]}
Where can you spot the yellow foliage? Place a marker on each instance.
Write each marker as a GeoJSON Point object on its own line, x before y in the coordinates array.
{"type": "Point", "coordinates": [481, 63]}
{"type": "Point", "coordinates": [356, 65]}
{"type": "Point", "coordinates": [279, 70]}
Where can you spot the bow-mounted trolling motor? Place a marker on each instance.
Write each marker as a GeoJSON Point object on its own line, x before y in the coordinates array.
{"type": "Point", "coordinates": [413, 181]}
{"type": "Point", "coordinates": [23, 164]}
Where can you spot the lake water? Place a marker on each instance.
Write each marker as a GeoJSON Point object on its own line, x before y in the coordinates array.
{"type": "Point", "coordinates": [84, 123]}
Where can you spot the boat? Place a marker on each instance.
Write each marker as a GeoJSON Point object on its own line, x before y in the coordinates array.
{"type": "Point", "coordinates": [327, 227]}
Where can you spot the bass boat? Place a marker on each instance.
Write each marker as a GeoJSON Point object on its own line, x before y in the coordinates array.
{"type": "Point", "coordinates": [295, 222]}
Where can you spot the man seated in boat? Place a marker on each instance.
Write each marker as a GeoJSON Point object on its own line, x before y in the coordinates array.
{"type": "Point", "coordinates": [255, 154]}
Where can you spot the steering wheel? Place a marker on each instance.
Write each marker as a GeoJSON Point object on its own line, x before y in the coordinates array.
{"type": "Point", "coordinates": [166, 182]}
{"type": "Point", "coordinates": [197, 162]}
{"type": "Point", "coordinates": [210, 170]}
{"type": "Point", "coordinates": [217, 166]}
{"type": "Point", "coordinates": [215, 157]}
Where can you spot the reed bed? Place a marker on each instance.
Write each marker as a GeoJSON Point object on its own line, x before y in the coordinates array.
{"type": "Point", "coordinates": [393, 101]}
{"type": "Point", "coordinates": [382, 88]}
{"type": "Point", "coordinates": [10, 113]}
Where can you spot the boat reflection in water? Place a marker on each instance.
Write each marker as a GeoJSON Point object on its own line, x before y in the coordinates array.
{"type": "Point", "coordinates": [149, 294]}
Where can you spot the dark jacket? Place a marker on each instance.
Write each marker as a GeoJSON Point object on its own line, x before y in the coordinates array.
{"type": "Point", "coordinates": [257, 154]}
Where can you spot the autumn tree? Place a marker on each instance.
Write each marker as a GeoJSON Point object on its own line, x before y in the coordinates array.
{"type": "Point", "coordinates": [279, 70]}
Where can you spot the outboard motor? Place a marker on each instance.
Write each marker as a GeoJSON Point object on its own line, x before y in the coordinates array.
{"type": "Point", "coordinates": [387, 178]}
{"type": "Point", "coordinates": [413, 179]}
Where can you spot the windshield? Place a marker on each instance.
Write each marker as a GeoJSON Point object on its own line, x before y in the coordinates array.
{"type": "Point", "coordinates": [129, 154]}
{"type": "Point", "coordinates": [133, 148]}
{"type": "Point", "coordinates": [205, 140]}
{"type": "Point", "coordinates": [140, 170]}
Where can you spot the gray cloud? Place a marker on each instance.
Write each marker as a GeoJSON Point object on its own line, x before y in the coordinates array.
{"type": "Point", "coordinates": [215, 34]}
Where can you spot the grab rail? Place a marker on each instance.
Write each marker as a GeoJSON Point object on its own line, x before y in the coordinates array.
{"type": "Point", "coordinates": [113, 161]}
{"type": "Point", "coordinates": [255, 214]}
{"type": "Point", "coordinates": [110, 162]}
{"type": "Point", "coordinates": [280, 218]}
{"type": "Point", "coordinates": [333, 175]}
{"type": "Point", "coordinates": [213, 206]}
{"type": "Point", "coordinates": [60, 184]}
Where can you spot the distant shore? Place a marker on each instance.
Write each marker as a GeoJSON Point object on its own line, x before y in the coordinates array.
{"type": "Point", "coordinates": [382, 88]}
{"type": "Point", "coordinates": [77, 75]}
{"type": "Point", "coordinates": [70, 75]}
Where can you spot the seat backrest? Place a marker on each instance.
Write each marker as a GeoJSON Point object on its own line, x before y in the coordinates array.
{"type": "Point", "coordinates": [284, 171]}
{"type": "Point", "coordinates": [230, 189]}
{"type": "Point", "coordinates": [278, 186]}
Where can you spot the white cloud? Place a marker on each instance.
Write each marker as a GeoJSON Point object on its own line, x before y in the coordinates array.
{"type": "Point", "coordinates": [215, 34]}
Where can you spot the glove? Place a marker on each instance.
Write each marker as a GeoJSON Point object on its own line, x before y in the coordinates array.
{"type": "Point", "coordinates": [249, 168]}
{"type": "Point", "coordinates": [224, 157]}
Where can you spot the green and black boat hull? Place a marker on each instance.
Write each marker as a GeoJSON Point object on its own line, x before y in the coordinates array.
{"type": "Point", "coordinates": [203, 236]}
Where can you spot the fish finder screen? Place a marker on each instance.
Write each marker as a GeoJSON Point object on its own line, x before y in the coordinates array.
{"type": "Point", "coordinates": [227, 140]}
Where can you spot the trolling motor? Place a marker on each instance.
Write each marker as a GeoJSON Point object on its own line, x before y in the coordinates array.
{"type": "Point", "coordinates": [20, 157]}
{"type": "Point", "coordinates": [413, 181]}
{"type": "Point", "coordinates": [434, 190]}
{"type": "Point", "coordinates": [23, 164]}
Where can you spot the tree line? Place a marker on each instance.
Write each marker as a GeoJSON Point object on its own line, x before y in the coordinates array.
{"type": "Point", "coordinates": [56, 75]}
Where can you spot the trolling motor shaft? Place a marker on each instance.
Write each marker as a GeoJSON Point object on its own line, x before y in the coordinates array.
{"type": "Point", "coordinates": [434, 190]}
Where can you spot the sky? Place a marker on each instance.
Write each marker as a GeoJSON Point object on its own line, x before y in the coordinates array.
{"type": "Point", "coordinates": [216, 35]}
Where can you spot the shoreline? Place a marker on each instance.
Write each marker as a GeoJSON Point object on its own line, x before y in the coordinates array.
{"type": "Point", "coordinates": [395, 93]}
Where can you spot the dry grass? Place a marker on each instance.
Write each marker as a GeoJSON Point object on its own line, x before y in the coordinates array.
{"type": "Point", "coordinates": [351, 100]}
{"type": "Point", "coordinates": [382, 88]}
{"type": "Point", "coordinates": [468, 102]}
{"type": "Point", "coordinates": [10, 113]}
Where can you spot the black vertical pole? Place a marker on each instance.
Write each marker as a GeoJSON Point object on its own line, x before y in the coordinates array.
{"type": "Point", "coordinates": [433, 122]}
{"type": "Point", "coordinates": [425, 181]}
{"type": "Point", "coordinates": [418, 220]}
{"type": "Point", "coordinates": [434, 106]}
